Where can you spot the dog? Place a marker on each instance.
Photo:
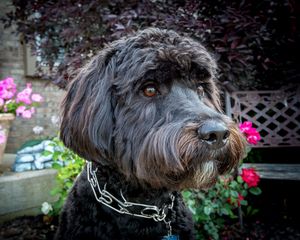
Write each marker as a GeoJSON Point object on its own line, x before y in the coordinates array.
{"type": "Point", "coordinates": [145, 113]}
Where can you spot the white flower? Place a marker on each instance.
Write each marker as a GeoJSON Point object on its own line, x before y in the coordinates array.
{"type": "Point", "coordinates": [55, 120]}
{"type": "Point", "coordinates": [46, 208]}
{"type": "Point", "coordinates": [38, 130]}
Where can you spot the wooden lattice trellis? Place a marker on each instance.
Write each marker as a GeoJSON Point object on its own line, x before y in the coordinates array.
{"type": "Point", "coordinates": [276, 114]}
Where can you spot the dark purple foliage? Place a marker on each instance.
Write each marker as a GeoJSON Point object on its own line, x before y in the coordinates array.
{"type": "Point", "coordinates": [254, 41]}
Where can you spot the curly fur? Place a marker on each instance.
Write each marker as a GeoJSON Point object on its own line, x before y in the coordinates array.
{"type": "Point", "coordinates": [145, 146]}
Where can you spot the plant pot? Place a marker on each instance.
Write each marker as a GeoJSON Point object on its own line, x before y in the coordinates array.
{"type": "Point", "coordinates": [5, 122]}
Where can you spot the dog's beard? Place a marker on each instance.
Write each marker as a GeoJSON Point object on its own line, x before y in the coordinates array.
{"type": "Point", "coordinates": [204, 177]}
{"type": "Point", "coordinates": [173, 156]}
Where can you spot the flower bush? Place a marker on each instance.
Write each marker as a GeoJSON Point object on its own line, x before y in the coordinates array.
{"type": "Point", "coordinates": [21, 103]}
{"type": "Point", "coordinates": [229, 194]}
{"type": "Point", "coordinates": [67, 172]}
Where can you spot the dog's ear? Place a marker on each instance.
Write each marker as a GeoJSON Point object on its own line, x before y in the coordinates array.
{"type": "Point", "coordinates": [87, 111]}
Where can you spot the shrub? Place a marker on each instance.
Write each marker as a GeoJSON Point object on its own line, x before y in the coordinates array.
{"type": "Point", "coordinates": [210, 208]}
{"type": "Point", "coordinates": [255, 42]}
{"type": "Point", "coordinates": [68, 166]}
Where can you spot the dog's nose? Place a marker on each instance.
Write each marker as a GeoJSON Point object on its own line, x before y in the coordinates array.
{"type": "Point", "coordinates": [214, 133]}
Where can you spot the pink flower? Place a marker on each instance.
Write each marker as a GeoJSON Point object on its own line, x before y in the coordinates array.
{"type": "Point", "coordinates": [22, 103]}
{"type": "Point", "coordinates": [10, 82]}
{"type": "Point", "coordinates": [6, 94]}
{"type": "Point", "coordinates": [7, 88]}
{"type": "Point", "coordinates": [251, 133]}
{"type": "Point", "coordinates": [24, 96]}
{"type": "Point", "coordinates": [245, 126]}
{"type": "Point", "coordinates": [20, 110]}
{"type": "Point", "coordinates": [250, 177]}
{"type": "Point", "coordinates": [253, 136]}
{"type": "Point", "coordinates": [27, 114]}
{"type": "Point", "coordinates": [36, 97]}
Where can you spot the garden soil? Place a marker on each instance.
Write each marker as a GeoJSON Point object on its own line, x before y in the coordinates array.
{"type": "Point", "coordinates": [36, 228]}
{"type": "Point", "coordinates": [277, 219]}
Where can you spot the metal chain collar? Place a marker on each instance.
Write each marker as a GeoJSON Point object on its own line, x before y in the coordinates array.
{"type": "Point", "coordinates": [144, 210]}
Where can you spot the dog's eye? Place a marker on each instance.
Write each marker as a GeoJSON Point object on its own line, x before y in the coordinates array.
{"type": "Point", "coordinates": [150, 90]}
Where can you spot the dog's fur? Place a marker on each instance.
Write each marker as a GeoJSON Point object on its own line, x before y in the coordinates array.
{"type": "Point", "coordinates": [144, 146]}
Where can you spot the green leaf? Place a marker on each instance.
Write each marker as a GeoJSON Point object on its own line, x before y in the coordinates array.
{"type": "Point", "coordinates": [57, 166]}
{"type": "Point", "coordinates": [239, 179]}
{"type": "Point", "coordinates": [244, 193]}
{"type": "Point", "coordinates": [58, 204]}
{"type": "Point", "coordinates": [186, 194]}
{"type": "Point", "coordinates": [233, 184]}
{"type": "Point", "coordinates": [254, 211]}
{"type": "Point", "coordinates": [227, 194]}
{"type": "Point", "coordinates": [255, 190]}
{"type": "Point", "coordinates": [207, 210]}
{"type": "Point", "coordinates": [249, 209]}
{"type": "Point", "coordinates": [55, 191]}
{"type": "Point", "coordinates": [234, 193]}
{"type": "Point", "coordinates": [69, 184]}
{"type": "Point", "coordinates": [65, 156]}
{"type": "Point", "coordinates": [224, 211]}
{"type": "Point", "coordinates": [47, 153]}
{"type": "Point", "coordinates": [230, 213]}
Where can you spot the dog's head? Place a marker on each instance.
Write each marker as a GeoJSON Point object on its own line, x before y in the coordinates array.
{"type": "Point", "coordinates": [147, 105]}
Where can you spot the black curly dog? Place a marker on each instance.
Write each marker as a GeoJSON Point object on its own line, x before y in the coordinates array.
{"type": "Point", "coordinates": [145, 114]}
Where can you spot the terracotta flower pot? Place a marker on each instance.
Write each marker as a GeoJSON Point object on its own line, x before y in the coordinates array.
{"type": "Point", "coordinates": [5, 122]}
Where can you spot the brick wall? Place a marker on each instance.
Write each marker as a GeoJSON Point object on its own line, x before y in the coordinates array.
{"type": "Point", "coordinates": [12, 64]}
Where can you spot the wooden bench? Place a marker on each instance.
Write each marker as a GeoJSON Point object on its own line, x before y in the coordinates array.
{"type": "Point", "coordinates": [276, 115]}
{"type": "Point", "coordinates": [275, 171]}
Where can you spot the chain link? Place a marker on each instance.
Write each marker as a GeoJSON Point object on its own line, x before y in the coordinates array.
{"type": "Point", "coordinates": [146, 211]}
